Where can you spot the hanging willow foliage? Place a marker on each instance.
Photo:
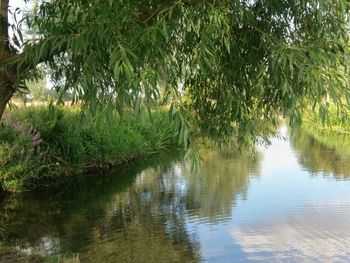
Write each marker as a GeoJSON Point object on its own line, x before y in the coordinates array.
{"type": "Point", "coordinates": [224, 66]}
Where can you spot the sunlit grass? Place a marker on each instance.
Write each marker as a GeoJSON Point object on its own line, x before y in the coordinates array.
{"type": "Point", "coordinates": [40, 144]}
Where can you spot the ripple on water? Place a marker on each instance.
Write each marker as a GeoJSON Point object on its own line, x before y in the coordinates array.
{"type": "Point", "coordinates": [314, 232]}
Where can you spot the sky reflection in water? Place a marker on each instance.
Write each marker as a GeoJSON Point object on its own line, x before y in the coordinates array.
{"type": "Point", "coordinates": [289, 204]}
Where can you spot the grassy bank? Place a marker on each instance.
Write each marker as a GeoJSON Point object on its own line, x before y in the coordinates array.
{"type": "Point", "coordinates": [328, 119]}
{"type": "Point", "coordinates": [41, 146]}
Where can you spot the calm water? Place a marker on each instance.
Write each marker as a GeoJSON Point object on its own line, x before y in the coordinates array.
{"type": "Point", "coordinates": [291, 203]}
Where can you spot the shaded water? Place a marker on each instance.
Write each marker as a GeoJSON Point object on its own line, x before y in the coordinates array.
{"type": "Point", "coordinates": [291, 203]}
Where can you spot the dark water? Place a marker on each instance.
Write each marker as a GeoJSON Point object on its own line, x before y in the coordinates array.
{"type": "Point", "coordinates": [291, 203]}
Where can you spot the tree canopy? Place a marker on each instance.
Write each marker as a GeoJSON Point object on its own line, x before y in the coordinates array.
{"type": "Point", "coordinates": [224, 66]}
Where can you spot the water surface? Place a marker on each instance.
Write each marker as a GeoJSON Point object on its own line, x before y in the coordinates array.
{"type": "Point", "coordinates": [290, 203]}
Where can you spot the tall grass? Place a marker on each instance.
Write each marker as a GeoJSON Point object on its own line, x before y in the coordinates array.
{"type": "Point", "coordinates": [40, 145]}
{"type": "Point", "coordinates": [330, 118]}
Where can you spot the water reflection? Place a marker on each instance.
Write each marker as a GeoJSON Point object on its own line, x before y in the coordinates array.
{"type": "Point", "coordinates": [324, 152]}
{"type": "Point", "coordinates": [211, 194]}
{"type": "Point", "coordinates": [239, 208]}
{"type": "Point", "coordinates": [142, 219]}
{"type": "Point", "coordinates": [292, 213]}
{"type": "Point", "coordinates": [118, 220]}
{"type": "Point", "coordinates": [310, 234]}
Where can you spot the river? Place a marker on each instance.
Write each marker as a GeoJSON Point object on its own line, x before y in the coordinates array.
{"type": "Point", "coordinates": [288, 203]}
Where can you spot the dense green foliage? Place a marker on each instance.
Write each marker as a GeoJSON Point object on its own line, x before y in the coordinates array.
{"type": "Point", "coordinates": [38, 145]}
{"type": "Point", "coordinates": [222, 65]}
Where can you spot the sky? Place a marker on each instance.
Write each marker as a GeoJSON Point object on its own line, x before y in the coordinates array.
{"type": "Point", "coordinates": [13, 4]}
{"type": "Point", "coordinates": [18, 3]}
{"type": "Point", "coordinates": [24, 7]}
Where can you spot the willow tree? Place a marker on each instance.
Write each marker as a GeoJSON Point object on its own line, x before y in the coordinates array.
{"type": "Point", "coordinates": [220, 64]}
{"type": "Point", "coordinates": [6, 74]}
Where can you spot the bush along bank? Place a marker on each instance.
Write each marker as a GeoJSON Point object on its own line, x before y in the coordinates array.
{"type": "Point", "coordinates": [40, 146]}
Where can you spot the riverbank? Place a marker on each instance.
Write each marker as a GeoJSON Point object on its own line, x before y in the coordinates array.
{"type": "Point", "coordinates": [41, 146]}
{"type": "Point", "coordinates": [333, 133]}
{"type": "Point", "coordinates": [328, 118]}
{"type": "Point", "coordinates": [327, 144]}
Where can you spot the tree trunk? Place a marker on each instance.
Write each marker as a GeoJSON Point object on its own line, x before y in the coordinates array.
{"type": "Point", "coordinates": [4, 33]}
{"type": "Point", "coordinates": [7, 80]}
{"type": "Point", "coordinates": [6, 93]}
{"type": "Point", "coordinates": [7, 89]}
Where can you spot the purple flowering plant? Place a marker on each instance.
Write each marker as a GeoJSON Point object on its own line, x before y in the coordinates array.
{"type": "Point", "coordinates": [29, 137]}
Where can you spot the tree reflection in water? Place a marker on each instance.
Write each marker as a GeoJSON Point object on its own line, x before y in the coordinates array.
{"type": "Point", "coordinates": [139, 217]}
{"type": "Point", "coordinates": [115, 220]}
{"type": "Point", "coordinates": [325, 152]}
{"type": "Point", "coordinates": [212, 193]}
